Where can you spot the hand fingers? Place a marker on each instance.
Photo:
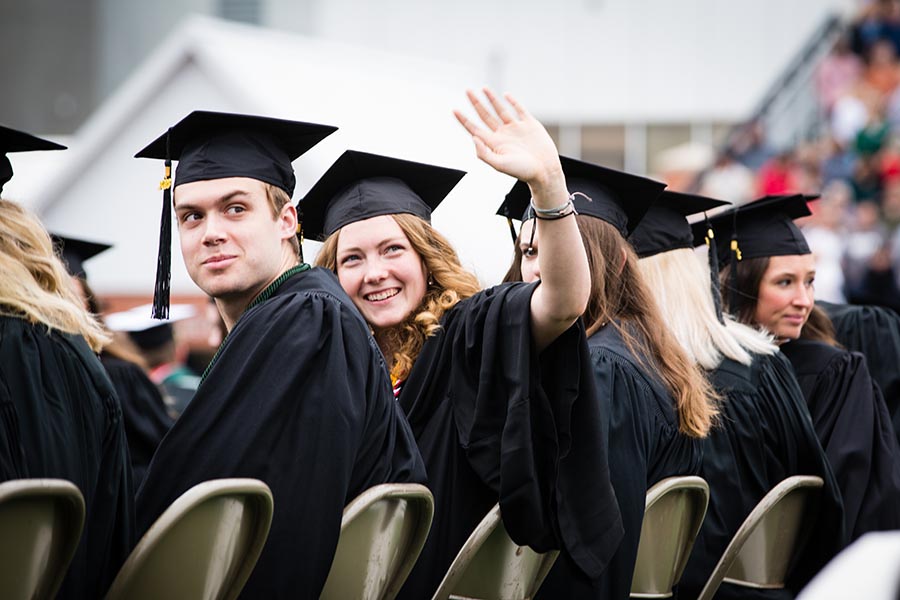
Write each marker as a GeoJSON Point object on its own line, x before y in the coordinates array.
{"type": "Point", "coordinates": [471, 127]}
{"type": "Point", "coordinates": [520, 110]}
{"type": "Point", "coordinates": [483, 113]}
{"type": "Point", "coordinates": [498, 106]}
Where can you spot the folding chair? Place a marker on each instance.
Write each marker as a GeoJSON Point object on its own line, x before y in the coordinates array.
{"type": "Point", "coordinates": [760, 553]}
{"type": "Point", "coordinates": [203, 546]}
{"type": "Point", "coordinates": [673, 515]}
{"type": "Point", "coordinates": [491, 566]}
{"type": "Point", "coordinates": [383, 531]}
{"type": "Point", "coordinates": [40, 525]}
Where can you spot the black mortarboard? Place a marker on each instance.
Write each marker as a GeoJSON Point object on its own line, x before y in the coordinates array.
{"type": "Point", "coordinates": [665, 226]}
{"type": "Point", "coordinates": [361, 186]}
{"type": "Point", "coordinates": [75, 252]}
{"type": "Point", "coordinates": [764, 227]}
{"type": "Point", "coordinates": [212, 145]}
{"type": "Point", "coordinates": [618, 198]}
{"type": "Point", "coordinates": [13, 140]}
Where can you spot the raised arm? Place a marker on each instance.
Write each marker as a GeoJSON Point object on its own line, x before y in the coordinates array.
{"type": "Point", "coordinates": [518, 145]}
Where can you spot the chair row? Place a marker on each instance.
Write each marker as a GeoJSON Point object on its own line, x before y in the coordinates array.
{"type": "Point", "coordinates": [206, 543]}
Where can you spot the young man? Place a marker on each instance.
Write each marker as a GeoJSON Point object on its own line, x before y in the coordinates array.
{"type": "Point", "coordinates": [298, 394]}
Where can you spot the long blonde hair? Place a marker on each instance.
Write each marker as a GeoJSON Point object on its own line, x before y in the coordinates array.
{"type": "Point", "coordinates": [448, 283]}
{"type": "Point", "coordinates": [681, 285]}
{"type": "Point", "coordinates": [34, 285]}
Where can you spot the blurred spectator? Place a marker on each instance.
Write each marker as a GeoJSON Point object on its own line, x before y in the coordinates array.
{"type": "Point", "coordinates": [750, 148]}
{"type": "Point", "coordinates": [825, 233]}
{"type": "Point", "coordinates": [836, 162]}
{"type": "Point", "coordinates": [890, 204]}
{"type": "Point", "coordinates": [866, 180]}
{"type": "Point", "coordinates": [837, 74]}
{"type": "Point", "coordinates": [882, 73]}
{"type": "Point", "coordinates": [879, 282]}
{"type": "Point", "coordinates": [851, 113]}
{"type": "Point", "coordinates": [160, 348]}
{"type": "Point", "coordinates": [728, 179]}
{"type": "Point", "coordinates": [865, 237]}
{"type": "Point", "coordinates": [874, 134]}
{"type": "Point", "coordinates": [877, 21]}
{"type": "Point", "coordinates": [775, 176]}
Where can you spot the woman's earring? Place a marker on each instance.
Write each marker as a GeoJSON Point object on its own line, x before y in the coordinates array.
{"type": "Point", "coordinates": [430, 279]}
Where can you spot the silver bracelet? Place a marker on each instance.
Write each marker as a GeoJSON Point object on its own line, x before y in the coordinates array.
{"type": "Point", "coordinates": [557, 212]}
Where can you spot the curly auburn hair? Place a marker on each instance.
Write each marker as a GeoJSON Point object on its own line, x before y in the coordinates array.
{"type": "Point", "coordinates": [449, 283]}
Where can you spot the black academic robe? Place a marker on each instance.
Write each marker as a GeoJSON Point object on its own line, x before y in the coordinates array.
{"type": "Point", "coordinates": [59, 418]}
{"type": "Point", "coordinates": [874, 331]}
{"type": "Point", "coordinates": [299, 397]}
{"type": "Point", "coordinates": [765, 434]}
{"type": "Point", "coordinates": [497, 422]}
{"type": "Point", "coordinates": [143, 411]}
{"type": "Point", "coordinates": [852, 423]}
{"type": "Point", "coordinates": [645, 447]}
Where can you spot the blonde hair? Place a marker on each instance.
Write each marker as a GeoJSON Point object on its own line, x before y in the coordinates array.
{"type": "Point", "coordinates": [35, 285]}
{"type": "Point", "coordinates": [449, 283]}
{"type": "Point", "coordinates": [681, 285]}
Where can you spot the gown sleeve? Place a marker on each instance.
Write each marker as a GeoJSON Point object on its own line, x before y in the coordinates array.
{"type": "Point", "coordinates": [143, 412]}
{"type": "Point", "coordinates": [298, 397]}
{"type": "Point", "coordinates": [851, 421]}
{"type": "Point", "coordinates": [529, 423]}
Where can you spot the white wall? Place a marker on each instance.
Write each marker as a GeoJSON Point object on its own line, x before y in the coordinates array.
{"type": "Point", "coordinates": [598, 60]}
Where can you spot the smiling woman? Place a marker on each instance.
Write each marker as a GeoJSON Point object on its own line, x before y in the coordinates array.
{"type": "Point", "coordinates": [768, 282]}
{"type": "Point", "coordinates": [495, 418]}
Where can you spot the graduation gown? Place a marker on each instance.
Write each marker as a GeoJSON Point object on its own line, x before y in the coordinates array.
{"type": "Point", "coordinates": [496, 422]}
{"type": "Point", "coordinates": [59, 418]}
{"type": "Point", "coordinates": [765, 435]}
{"type": "Point", "coordinates": [299, 397]}
{"type": "Point", "coordinates": [645, 446]}
{"type": "Point", "coordinates": [852, 423]}
{"type": "Point", "coordinates": [143, 411]}
{"type": "Point", "coordinates": [874, 331]}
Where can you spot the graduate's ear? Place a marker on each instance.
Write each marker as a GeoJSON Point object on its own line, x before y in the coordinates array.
{"type": "Point", "coordinates": [623, 261]}
{"type": "Point", "coordinates": [287, 221]}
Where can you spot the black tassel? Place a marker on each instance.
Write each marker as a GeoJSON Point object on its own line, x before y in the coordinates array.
{"type": "Point", "coordinates": [713, 257]}
{"type": "Point", "coordinates": [512, 230]}
{"type": "Point", "coordinates": [164, 258]}
{"type": "Point", "coordinates": [735, 259]}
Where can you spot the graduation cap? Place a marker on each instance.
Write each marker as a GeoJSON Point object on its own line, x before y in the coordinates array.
{"type": "Point", "coordinates": [213, 145]}
{"type": "Point", "coordinates": [13, 140]}
{"type": "Point", "coordinates": [146, 332]}
{"type": "Point", "coordinates": [764, 227]}
{"type": "Point", "coordinates": [619, 198]}
{"type": "Point", "coordinates": [665, 226]}
{"type": "Point", "coordinates": [74, 252]}
{"type": "Point", "coordinates": [360, 186]}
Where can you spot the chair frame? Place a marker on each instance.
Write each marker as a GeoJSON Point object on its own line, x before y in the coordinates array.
{"type": "Point", "coordinates": [412, 492]}
{"type": "Point", "coordinates": [657, 492]}
{"type": "Point", "coordinates": [776, 495]}
{"type": "Point", "coordinates": [471, 548]}
{"type": "Point", "coordinates": [181, 508]}
{"type": "Point", "coordinates": [70, 501]}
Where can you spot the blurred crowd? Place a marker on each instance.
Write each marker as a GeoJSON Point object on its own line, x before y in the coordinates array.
{"type": "Point", "coordinates": [853, 162]}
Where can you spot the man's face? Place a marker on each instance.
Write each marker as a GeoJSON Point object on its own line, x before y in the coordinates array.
{"type": "Point", "coordinates": [231, 244]}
